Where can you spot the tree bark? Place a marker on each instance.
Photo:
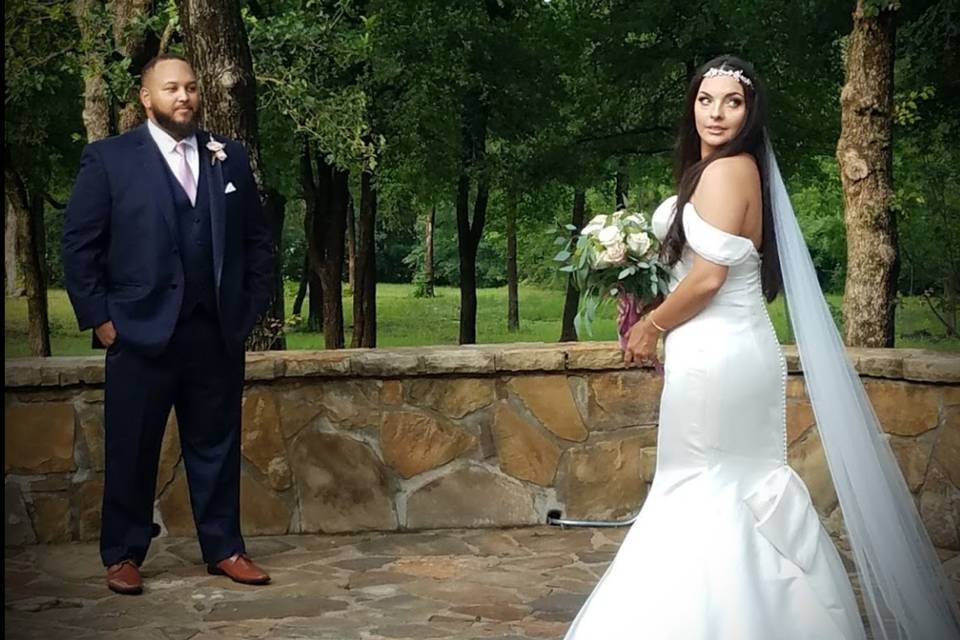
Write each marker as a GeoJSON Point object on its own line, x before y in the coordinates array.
{"type": "Point", "coordinates": [14, 283]}
{"type": "Point", "coordinates": [568, 332]}
{"type": "Point", "coordinates": [217, 47]}
{"type": "Point", "coordinates": [352, 245]}
{"type": "Point", "coordinates": [365, 283]}
{"type": "Point", "coordinates": [96, 96]}
{"type": "Point", "coordinates": [428, 254]}
{"type": "Point", "coordinates": [865, 156]}
{"type": "Point", "coordinates": [327, 196]}
{"type": "Point", "coordinates": [513, 293]}
{"type": "Point", "coordinates": [31, 250]}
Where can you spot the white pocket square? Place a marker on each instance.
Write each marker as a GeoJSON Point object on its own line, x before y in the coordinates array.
{"type": "Point", "coordinates": [230, 188]}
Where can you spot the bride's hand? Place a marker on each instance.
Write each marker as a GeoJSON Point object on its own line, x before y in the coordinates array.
{"type": "Point", "coordinates": [642, 343]}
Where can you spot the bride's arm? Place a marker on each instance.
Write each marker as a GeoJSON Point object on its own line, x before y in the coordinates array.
{"type": "Point", "coordinates": [690, 297]}
{"type": "Point", "coordinates": [722, 190]}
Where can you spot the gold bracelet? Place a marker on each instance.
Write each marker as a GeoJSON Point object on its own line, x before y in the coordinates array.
{"type": "Point", "coordinates": [654, 323]}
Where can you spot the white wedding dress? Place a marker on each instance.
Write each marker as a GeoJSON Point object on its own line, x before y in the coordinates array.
{"type": "Point", "coordinates": [728, 545]}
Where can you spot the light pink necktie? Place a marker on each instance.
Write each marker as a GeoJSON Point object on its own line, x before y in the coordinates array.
{"type": "Point", "coordinates": [184, 175]}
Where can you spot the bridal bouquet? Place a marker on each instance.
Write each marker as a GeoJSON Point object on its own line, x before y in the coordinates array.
{"type": "Point", "coordinates": [615, 257]}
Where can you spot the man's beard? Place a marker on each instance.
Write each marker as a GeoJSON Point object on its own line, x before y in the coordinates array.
{"type": "Point", "coordinates": [179, 130]}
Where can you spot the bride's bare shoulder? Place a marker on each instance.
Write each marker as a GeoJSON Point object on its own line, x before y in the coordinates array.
{"type": "Point", "coordinates": [738, 171]}
{"type": "Point", "coordinates": [723, 194]}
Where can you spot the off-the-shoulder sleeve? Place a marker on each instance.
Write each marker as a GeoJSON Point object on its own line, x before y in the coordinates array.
{"type": "Point", "coordinates": [714, 244]}
{"type": "Point", "coordinates": [663, 217]}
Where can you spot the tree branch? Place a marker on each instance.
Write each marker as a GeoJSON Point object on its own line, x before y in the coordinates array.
{"type": "Point", "coordinates": [166, 37]}
{"type": "Point", "coordinates": [53, 202]}
{"type": "Point", "coordinates": [950, 331]}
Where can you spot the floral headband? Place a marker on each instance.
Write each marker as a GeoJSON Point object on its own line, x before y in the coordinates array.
{"type": "Point", "coordinates": [736, 74]}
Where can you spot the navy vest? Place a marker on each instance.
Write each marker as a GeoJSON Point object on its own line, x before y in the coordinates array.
{"type": "Point", "coordinates": [195, 240]}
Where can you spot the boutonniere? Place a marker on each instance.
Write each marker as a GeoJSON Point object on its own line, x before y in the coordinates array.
{"type": "Point", "coordinates": [216, 151]}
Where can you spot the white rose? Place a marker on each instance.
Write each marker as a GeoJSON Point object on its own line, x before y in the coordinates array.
{"type": "Point", "coordinates": [637, 219]}
{"type": "Point", "coordinates": [639, 243]}
{"type": "Point", "coordinates": [609, 236]}
{"type": "Point", "coordinates": [615, 255]}
{"type": "Point", "coordinates": [594, 225]}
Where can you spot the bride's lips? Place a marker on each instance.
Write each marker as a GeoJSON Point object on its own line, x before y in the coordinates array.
{"type": "Point", "coordinates": [716, 130]}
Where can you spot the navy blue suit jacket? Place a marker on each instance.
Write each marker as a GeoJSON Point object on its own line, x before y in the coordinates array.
{"type": "Point", "coordinates": [120, 251]}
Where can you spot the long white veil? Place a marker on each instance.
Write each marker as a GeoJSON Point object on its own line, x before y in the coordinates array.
{"type": "Point", "coordinates": [905, 591]}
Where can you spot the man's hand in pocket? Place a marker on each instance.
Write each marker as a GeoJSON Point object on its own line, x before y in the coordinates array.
{"type": "Point", "coordinates": [106, 334]}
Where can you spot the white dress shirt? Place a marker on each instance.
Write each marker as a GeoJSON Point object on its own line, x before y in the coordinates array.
{"type": "Point", "coordinates": [168, 148]}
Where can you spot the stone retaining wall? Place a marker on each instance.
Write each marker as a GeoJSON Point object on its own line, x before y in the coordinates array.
{"type": "Point", "coordinates": [445, 437]}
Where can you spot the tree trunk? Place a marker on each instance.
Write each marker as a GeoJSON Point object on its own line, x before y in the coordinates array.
{"type": "Point", "coordinates": [951, 303]}
{"type": "Point", "coordinates": [216, 44]}
{"type": "Point", "coordinates": [96, 96]}
{"type": "Point", "coordinates": [327, 197]}
{"type": "Point", "coordinates": [315, 300]}
{"type": "Point", "coordinates": [865, 156]}
{"type": "Point", "coordinates": [568, 332]}
{"type": "Point", "coordinates": [275, 218]}
{"type": "Point", "coordinates": [365, 283]}
{"type": "Point", "coordinates": [352, 245]}
{"type": "Point", "coordinates": [31, 250]}
{"type": "Point", "coordinates": [468, 240]}
{"type": "Point", "coordinates": [137, 44]}
{"type": "Point", "coordinates": [331, 227]}
{"type": "Point", "coordinates": [14, 283]}
{"type": "Point", "coordinates": [469, 233]}
{"type": "Point", "coordinates": [428, 254]}
{"type": "Point", "coordinates": [309, 283]}
{"type": "Point", "coordinates": [302, 289]}
{"type": "Point", "coordinates": [217, 47]}
{"type": "Point", "coordinates": [513, 294]}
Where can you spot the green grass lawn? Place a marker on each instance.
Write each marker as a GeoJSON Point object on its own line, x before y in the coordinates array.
{"type": "Point", "coordinates": [404, 320]}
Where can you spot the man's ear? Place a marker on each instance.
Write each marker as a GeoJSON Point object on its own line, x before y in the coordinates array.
{"type": "Point", "coordinates": [145, 98]}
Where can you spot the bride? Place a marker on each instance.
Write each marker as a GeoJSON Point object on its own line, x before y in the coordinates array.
{"type": "Point", "coordinates": [728, 544]}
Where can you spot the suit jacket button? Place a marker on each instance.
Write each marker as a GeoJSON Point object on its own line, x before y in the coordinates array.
{"type": "Point", "coordinates": [173, 286]}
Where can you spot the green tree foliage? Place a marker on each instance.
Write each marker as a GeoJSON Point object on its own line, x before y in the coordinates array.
{"type": "Point", "coordinates": [569, 93]}
{"type": "Point", "coordinates": [927, 164]}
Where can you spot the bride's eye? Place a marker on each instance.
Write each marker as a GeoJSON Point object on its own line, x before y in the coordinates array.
{"type": "Point", "coordinates": [704, 100]}
{"type": "Point", "coordinates": [735, 102]}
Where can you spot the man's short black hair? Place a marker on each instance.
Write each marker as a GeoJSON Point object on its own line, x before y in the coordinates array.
{"type": "Point", "coordinates": [154, 61]}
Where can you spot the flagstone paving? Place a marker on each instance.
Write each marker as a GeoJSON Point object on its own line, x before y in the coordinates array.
{"type": "Point", "coordinates": [509, 584]}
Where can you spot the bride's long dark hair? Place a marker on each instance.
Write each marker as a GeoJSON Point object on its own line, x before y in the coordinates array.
{"type": "Point", "coordinates": [751, 139]}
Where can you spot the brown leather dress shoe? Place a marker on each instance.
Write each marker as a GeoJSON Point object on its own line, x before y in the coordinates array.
{"type": "Point", "coordinates": [239, 568]}
{"type": "Point", "coordinates": [124, 577]}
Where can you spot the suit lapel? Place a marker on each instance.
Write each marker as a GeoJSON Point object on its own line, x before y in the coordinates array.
{"type": "Point", "coordinates": [155, 171]}
{"type": "Point", "coordinates": [218, 215]}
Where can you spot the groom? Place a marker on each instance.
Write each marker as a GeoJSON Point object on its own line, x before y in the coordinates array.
{"type": "Point", "coordinates": [167, 257]}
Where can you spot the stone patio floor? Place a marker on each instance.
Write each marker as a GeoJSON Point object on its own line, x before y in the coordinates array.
{"type": "Point", "coordinates": [510, 584]}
